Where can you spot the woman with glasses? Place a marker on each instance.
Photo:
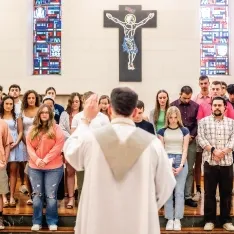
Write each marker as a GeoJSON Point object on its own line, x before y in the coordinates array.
{"type": "Point", "coordinates": [44, 144]}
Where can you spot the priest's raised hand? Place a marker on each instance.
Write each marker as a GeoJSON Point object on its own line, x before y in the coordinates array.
{"type": "Point", "coordinates": [91, 108]}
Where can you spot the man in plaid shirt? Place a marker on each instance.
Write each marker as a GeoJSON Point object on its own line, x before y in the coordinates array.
{"type": "Point", "coordinates": [216, 137]}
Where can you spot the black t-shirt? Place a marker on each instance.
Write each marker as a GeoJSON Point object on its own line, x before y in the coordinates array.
{"type": "Point", "coordinates": [147, 126]}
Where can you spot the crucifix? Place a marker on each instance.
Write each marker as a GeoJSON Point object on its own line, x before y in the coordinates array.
{"type": "Point", "coordinates": [130, 19]}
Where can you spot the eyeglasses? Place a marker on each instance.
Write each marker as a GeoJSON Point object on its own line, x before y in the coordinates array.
{"type": "Point", "coordinates": [44, 112]}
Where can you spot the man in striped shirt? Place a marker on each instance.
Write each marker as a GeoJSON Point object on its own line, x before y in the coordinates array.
{"type": "Point", "coordinates": [216, 137]}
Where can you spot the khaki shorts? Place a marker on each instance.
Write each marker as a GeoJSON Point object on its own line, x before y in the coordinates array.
{"type": "Point", "coordinates": [4, 189]}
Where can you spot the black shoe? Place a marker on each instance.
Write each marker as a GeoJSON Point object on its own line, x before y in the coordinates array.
{"type": "Point", "coordinates": [190, 202]}
{"type": "Point", "coordinates": [76, 194]}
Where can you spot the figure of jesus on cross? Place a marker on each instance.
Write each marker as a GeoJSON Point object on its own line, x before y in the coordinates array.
{"type": "Point", "coordinates": [129, 25]}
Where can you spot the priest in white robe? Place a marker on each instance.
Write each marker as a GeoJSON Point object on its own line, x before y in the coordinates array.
{"type": "Point", "coordinates": [128, 176]}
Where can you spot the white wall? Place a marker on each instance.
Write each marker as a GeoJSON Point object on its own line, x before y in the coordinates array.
{"type": "Point", "coordinates": [90, 52]}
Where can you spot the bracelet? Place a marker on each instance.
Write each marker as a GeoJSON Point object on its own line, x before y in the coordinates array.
{"type": "Point", "coordinates": [181, 165]}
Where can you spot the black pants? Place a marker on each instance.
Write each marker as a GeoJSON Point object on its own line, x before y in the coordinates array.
{"type": "Point", "coordinates": [222, 176]}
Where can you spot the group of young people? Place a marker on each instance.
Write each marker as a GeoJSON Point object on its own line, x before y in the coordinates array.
{"type": "Point", "coordinates": [34, 130]}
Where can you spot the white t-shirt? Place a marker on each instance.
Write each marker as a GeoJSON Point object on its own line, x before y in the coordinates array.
{"type": "Point", "coordinates": [99, 121]}
{"type": "Point", "coordinates": [18, 108]}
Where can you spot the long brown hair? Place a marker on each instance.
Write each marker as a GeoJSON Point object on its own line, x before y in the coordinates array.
{"type": "Point", "coordinates": [24, 104]}
{"type": "Point", "coordinates": [157, 105]}
{"type": "Point", "coordinates": [102, 98]}
{"type": "Point", "coordinates": [38, 125]}
{"type": "Point", "coordinates": [2, 110]}
{"type": "Point", "coordinates": [70, 100]}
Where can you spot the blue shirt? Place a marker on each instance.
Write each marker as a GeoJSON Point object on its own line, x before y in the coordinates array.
{"type": "Point", "coordinates": [58, 109]}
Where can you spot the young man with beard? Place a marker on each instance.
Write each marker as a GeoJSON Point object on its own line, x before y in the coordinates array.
{"type": "Point", "coordinates": [216, 137]}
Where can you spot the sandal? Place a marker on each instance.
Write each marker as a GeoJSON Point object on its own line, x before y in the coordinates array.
{"type": "Point", "coordinates": [12, 203]}
{"type": "Point", "coordinates": [70, 204]}
{"type": "Point", "coordinates": [5, 204]}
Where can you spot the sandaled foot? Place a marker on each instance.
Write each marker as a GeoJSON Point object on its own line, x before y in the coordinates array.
{"type": "Point", "coordinates": [70, 203]}
{"type": "Point", "coordinates": [12, 202]}
{"type": "Point", "coordinates": [5, 204]}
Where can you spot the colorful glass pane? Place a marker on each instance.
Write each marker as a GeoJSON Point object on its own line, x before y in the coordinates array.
{"type": "Point", "coordinates": [214, 46]}
{"type": "Point", "coordinates": [47, 37]}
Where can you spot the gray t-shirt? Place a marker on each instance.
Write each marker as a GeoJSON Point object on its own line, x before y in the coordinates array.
{"type": "Point", "coordinates": [173, 139]}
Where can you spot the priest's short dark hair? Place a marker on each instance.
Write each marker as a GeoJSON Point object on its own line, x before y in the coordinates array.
{"type": "Point", "coordinates": [123, 100]}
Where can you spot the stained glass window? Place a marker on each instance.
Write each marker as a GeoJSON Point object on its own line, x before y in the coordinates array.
{"type": "Point", "coordinates": [47, 37]}
{"type": "Point", "coordinates": [214, 46]}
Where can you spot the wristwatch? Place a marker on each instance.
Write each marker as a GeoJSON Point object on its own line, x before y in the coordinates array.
{"type": "Point", "coordinates": [212, 150]}
{"type": "Point", "coordinates": [86, 119]}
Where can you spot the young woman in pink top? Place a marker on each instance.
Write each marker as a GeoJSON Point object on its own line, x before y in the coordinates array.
{"type": "Point", "coordinates": [44, 144]}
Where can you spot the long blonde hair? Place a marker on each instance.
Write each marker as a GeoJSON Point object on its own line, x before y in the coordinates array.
{"type": "Point", "coordinates": [38, 125]}
{"type": "Point", "coordinates": [173, 110]}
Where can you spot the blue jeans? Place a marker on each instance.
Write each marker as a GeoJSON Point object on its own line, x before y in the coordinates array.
{"type": "Point", "coordinates": [176, 159]}
{"type": "Point", "coordinates": [45, 183]}
{"type": "Point", "coordinates": [178, 211]}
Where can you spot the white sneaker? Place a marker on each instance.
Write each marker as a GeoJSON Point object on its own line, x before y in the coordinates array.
{"type": "Point", "coordinates": [197, 197]}
{"type": "Point", "coordinates": [1, 223]}
{"type": "Point", "coordinates": [53, 227]}
{"type": "Point", "coordinates": [29, 202]}
{"type": "Point", "coordinates": [35, 227]}
{"type": "Point", "coordinates": [170, 225]}
{"type": "Point", "coordinates": [208, 227]}
{"type": "Point", "coordinates": [177, 225]}
{"type": "Point", "coordinates": [23, 189]}
{"type": "Point", "coordinates": [228, 227]}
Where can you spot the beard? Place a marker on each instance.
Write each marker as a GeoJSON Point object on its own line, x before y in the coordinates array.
{"type": "Point", "coordinates": [217, 113]}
